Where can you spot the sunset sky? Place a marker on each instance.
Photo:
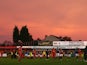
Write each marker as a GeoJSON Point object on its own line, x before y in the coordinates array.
{"type": "Point", "coordinates": [44, 17]}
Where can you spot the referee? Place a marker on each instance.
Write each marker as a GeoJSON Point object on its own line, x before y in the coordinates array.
{"type": "Point", "coordinates": [47, 53]}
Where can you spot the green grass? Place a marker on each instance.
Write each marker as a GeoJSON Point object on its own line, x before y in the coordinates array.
{"type": "Point", "coordinates": [42, 61]}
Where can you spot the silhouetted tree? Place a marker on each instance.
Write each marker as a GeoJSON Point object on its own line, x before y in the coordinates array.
{"type": "Point", "coordinates": [38, 39]}
{"type": "Point", "coordinates": [60, 38]}
{"type": "Point", "coordinates": [2, 44]}
{"type": "Point", "coordinates": [25, 36]}
{"type": "Point", "coordinates": [80, 40]}
{"type": "Point", "coordinates": [35, 43]}
{"type": "Point", "coordinates": [15, 35]}
{"type": "Point", "coordinates": [66, 38]}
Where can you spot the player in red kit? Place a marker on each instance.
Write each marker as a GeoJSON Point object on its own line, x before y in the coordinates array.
{"type": "Point", "coordinates": [20, 53]}
{"type": "Point", "coordinates": [53, 53]}
{"type": "Point", "coordinates": [80, 54]}
{"type": "Point", "coordinates": [34, 53]}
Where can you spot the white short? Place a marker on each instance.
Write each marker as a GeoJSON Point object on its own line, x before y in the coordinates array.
{"type": "Point", "coordinates": [61, 55]}
{"type": "Point", "coordinates": [4, 55]}
{"type": "Point", "coordinates": [26, 55]}
{"type": "Point", "coordinates": [36, 55]}
{"type": "Point", "coordinates": [41, 56]}
{"type": "Point", "coordinates": [68, 55]}
{"type": "Point", "coordinates": [77, 54]}
{"type": "Point", "coordinates": [57, 54]}
{"type": "Point", "coordinates": [48, 55]}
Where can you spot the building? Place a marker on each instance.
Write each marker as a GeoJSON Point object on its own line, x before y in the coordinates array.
{"type": "Point", "coordinates": [47, 41]}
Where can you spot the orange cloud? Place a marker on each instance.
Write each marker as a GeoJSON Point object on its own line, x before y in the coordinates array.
{"type": "Point", "coordinates": [44, 17]}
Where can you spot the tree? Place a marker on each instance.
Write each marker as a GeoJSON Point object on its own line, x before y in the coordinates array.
{"type": "Point", "coordinates": [25, 36]}
{"type": "Point", "coordinates": [15, 35]}
{"type": "Point", "coordinates": [38, 39]}
{"type": "Point", "coordinates": [66, 38]}
{"type": "Point", "coordinates": [35, 43]}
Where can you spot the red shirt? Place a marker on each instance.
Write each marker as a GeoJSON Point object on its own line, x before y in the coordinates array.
{"type": "Point", "coordinates": [20, 50]}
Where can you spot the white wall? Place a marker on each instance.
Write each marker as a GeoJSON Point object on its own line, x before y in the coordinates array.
{"type": "Point", "coordinates": [70, 44]}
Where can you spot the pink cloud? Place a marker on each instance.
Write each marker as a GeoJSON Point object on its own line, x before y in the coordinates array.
{"type": "Point", "coordinates": [57, 17]}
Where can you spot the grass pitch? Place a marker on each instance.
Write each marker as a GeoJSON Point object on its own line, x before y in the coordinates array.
{"type": "Point", "coordinates": [42, 61]}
